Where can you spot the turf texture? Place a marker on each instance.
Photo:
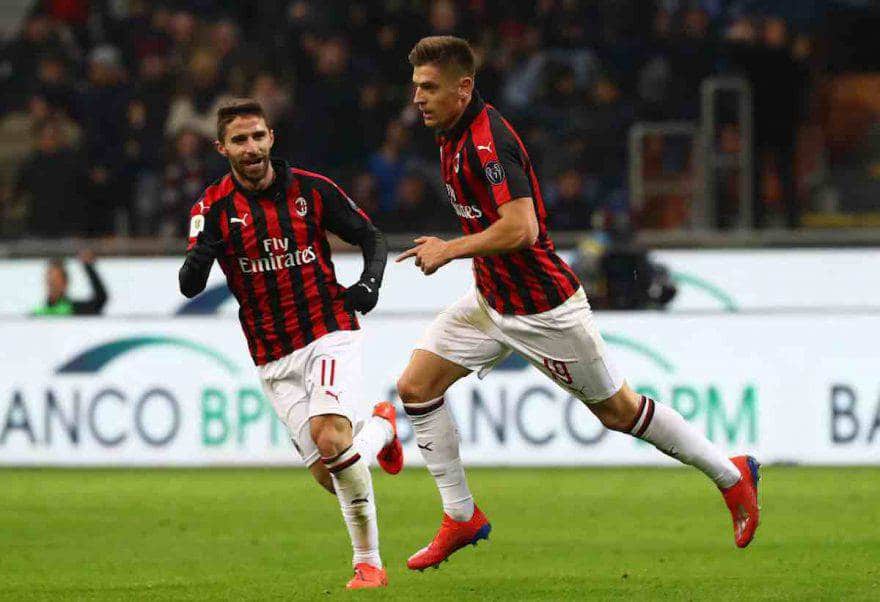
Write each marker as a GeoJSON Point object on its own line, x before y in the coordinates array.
{"type": "Point", "coordinates": [271, 534]}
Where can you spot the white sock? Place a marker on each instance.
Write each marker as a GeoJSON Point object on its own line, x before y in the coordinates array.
{"type": "Point", "coordinates": [375, 434]}
{"type": "Point", "coordinates": [437, 438]}
{"type": "Point", "coordinates": [662, 426]}
{"type": "Point", "coordinates": [354, 489]}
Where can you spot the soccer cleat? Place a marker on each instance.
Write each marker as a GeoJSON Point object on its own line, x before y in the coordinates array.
{"type": "Point", "coordinates": [742, 500]}
{"type": "Point", "coordinates": [451, 537]}
{"type": "Point", "coordinates": [390, 457]}
{"type": "Point", "coordinates": [367, 576]}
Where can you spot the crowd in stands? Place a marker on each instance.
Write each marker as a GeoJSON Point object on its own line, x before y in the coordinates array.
{"type": "Point", "coordinates": [107, 109]}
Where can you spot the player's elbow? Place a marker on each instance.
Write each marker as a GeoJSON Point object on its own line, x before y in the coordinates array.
{"type": "Point", "coordinates": [526, 235]}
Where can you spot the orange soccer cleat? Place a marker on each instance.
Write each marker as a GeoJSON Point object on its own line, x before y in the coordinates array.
{"type": "Point", "coordinates": [390, 457]}
{"type": "Point", "coordinates": [367, 576]}
{"type": "Point", "coordinates": [451, 537]}
{"type": "Point", "coordinates": [742, 500]}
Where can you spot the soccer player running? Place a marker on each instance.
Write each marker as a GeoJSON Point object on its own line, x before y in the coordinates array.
{"type": "Point", "coordinates": [266, 224]}
{"type": "Point", "coordinates": [527, 300]}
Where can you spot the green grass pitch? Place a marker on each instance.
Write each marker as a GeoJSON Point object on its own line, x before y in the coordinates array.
{"type": "Point", "coordinates": [270, 534]}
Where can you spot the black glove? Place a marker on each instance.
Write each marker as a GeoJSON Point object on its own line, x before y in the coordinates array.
{"type": "Point", "coordinates": [363, 295]}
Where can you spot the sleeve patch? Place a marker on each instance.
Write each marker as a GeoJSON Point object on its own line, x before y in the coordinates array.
{"type": "Point", "coordinates": [196, 225]}
{"type": "Point", "coordinates": [495, 173]}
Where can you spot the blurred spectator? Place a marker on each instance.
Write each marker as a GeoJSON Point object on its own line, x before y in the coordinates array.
{"type": "Point", "coordinates": [17, 129]}
{"type": "Point", "coordinates": [387, 165]}
{"type": "Point", "coordinates": [569, 205]}
{"type": "Point", "coordinates": [416, 208]}
{"type": "Point", "coordinates": [58, 303]}
{"type": "Point", "coordinates": [103, 109]}
{"type": "Point", "coordinates": [51, 186]}
{"type": "Point", "coordinates": [276, 102]}
{"type": "Point", "coordinates": [39, 38]}
{"type": "Point", "coordinates": [762, 55]}
{"type": "Point", "coordinates": [54, 84]}
{"type": "Point", "coordinates": [364, 193]}
{"type": "Point", "coordinates": [330, 110]}
{"type": "Point", "coordinates": [142, 161]}
{"type": "Point", "coordinates": [572, 75]}
{"type": "Point", "coordinates": [154, 88]}
{"type": "Point", "coordinates": [184, 179]}
{"type": "Point", "coordinates": [202, 92]}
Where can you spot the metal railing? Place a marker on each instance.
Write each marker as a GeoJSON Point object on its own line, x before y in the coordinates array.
{"type": "Point", "coordinates": [715, 160]}
{"type": "Point", "coordinates": [709, 161]}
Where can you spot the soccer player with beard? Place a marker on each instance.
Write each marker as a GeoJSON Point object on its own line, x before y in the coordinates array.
{"type": "Point", "coordinates": [266, 224]}
{"type": "Point", "coordinates": [526, 300]}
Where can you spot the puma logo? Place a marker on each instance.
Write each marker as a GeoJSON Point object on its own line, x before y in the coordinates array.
{"type": "Point", "coordinates": [360, 500]}
{"type": "Point", "coordinates": [429, 446]}
{"type": "Point", "coordinates": [333, 395]}
{"type": "Point", "coordinates": [488, 147]}
{"type": "Point", "coordinates": [239, 220]}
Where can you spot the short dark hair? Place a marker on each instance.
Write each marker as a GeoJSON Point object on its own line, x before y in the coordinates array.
{"type": "Point", "coordinates": [444, 51]}
{"type": "Point", "coordinates": [237, 108]}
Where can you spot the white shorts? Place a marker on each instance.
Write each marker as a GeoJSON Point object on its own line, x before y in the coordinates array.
{"type": "Point", "coordinates": [324, 377]}
{"type": "Point", "coordinates": [563, 343]}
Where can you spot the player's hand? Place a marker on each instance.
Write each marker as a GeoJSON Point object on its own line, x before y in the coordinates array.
{"type": "Point", "coordinates": [430, 253]}
{"type": "Point", "coordinates": [362, 296]}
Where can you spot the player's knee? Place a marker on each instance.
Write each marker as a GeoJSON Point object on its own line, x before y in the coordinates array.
{"type": "Point", "coordinates": [332, 435]}
{"type": "Point", "coordinates": [412, 390]}
{"type": "Point", "coordinates": [617, 412]}
{"type": "Point", "coordinates": [330, 442]}
{"type": "Point", "coordinates": [615, 421]}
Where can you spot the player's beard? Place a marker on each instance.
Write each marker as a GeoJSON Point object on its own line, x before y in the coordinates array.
{"type": "Point", "coordinates": [246, 172]}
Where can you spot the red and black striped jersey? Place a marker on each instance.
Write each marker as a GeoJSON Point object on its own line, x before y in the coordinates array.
{"type": "Point", "coordinates": [485, 165]}
{"type": "Point", "coordinates": [276, 258]}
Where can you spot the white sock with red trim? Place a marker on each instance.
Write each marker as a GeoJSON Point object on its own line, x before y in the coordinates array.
{"type": "Point", "coordinates": [354, 489]}
{"type": "Point", "coordinates": [662, 426]}
{"type": "Point", "coordinates": [373, 436]}
{"type": "Point", "coordinates": [437, 439]}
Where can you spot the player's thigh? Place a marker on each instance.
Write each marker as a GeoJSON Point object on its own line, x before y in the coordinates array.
{"type": "Point", "coordinates": [566, 345]}
{"type": "Point", "coordinates": [456, 343]}
{"type": "Point", "coordinates": [334, 382]}
{"type": "Point", "coordinates": [427, 376]}
{"type": "Point", "coordinates": [291, 404]}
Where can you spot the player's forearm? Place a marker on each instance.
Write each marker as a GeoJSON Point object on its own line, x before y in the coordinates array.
{"type": "Point", "coordinates": [99, 293]}
{"type": "Point", "coordinates": [375, 252]}
{"type": "Point", "coordinates": [193, 275]}
{"type": "Point", "coordinates": [498, 238]}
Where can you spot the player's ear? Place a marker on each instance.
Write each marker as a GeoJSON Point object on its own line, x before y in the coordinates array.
{"type": "Point", "coordinates": [271, 138]}
{"type": "Point", "coordinates": [220, 148]}
{"type": "Point", "coordinates": [466, 86]}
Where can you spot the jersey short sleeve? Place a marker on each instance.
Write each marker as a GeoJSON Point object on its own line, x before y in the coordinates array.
{"type": "Point", "coordinates": [504, 166]}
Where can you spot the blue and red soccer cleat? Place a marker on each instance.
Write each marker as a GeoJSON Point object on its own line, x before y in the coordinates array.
{"type": "Point", "coordinates": [390, 457]}
{"type": "Point", "coordinates": [742, 500]}
{"type": "Point", "coordinates": [451, 537]}
{"type": "Point", "coordinates": [366, 576]}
